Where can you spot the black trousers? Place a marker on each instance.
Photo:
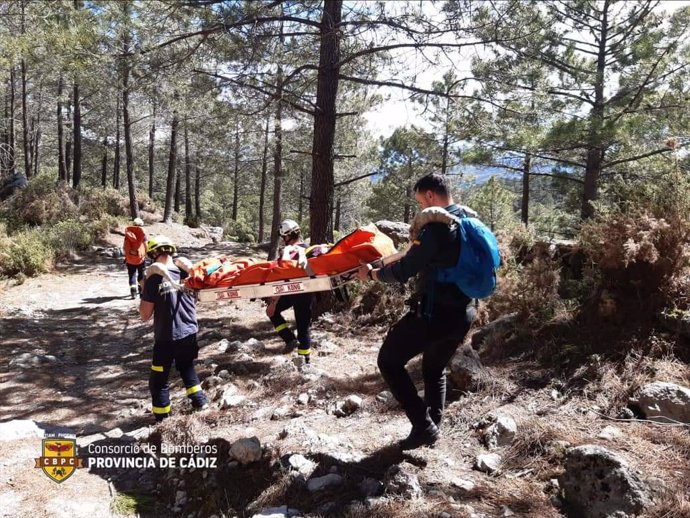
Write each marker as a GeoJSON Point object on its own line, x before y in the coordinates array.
{"type": "Point", "coordinates": [135, 273]}
{"type": "Point", "coordinates": [302, 304]}
{"type": "Point", "coordinates": [182, 353]}
{"type": "Point", "coordinates": [436, 339]}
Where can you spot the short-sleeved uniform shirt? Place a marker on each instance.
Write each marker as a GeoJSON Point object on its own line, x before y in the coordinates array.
{"type": "Point", "coordinates": [174, 312]}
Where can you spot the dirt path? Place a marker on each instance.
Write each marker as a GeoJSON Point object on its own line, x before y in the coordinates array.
{"type": "Point", "coordinates": [88, 357]}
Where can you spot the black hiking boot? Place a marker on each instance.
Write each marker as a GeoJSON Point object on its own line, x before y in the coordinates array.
{"type": "Point", "coordinates": [420, 437]}
{"type": "Point", "coordinates": [134, 293]}
{"type": "Point", "coordinates": [290, 346]}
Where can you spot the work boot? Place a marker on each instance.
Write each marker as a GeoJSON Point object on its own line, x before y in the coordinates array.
{"type": "Point", "coordinates": [201, 408]}
{"type": "Point", "coordinates": [436, 415]}
{"type": "Point", "coordinates": [290, 346]}
{"type": "Point", "coordinates": [133, 292]}
{"type": "Point", "coordinates": [419, 436]}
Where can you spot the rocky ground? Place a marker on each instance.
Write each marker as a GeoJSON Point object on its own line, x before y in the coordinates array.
{"type": "Point", "coordinates": [518, 439]}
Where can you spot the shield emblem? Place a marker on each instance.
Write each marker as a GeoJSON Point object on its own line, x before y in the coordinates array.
{"type": "Point", "coordinates": [59, 459]}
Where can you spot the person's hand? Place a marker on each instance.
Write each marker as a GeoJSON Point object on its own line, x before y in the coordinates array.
{"type": "Point", "coordinates": [271, 309]}
{"type": "Point", "coordinates": [363, 272]}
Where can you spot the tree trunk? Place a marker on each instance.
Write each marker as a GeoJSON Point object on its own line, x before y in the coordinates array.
{"type": "Point", "coordinates": [104, 164]}
{"type": "Point", "coordinates": [197, 193]}
{"type": "Point", "coordinates": [300, 208]}
{"type": "Point", "coordinates": [262, 193]}
{"type": "Point", "coordinates": [407, 214]}
{"type": "Point", "coordinates": [236, 174]}
{"type": "Point", "coordinates": [116, 158]}
{"type": "Point", "coordinates": [277, 170]}
{"type": "Point", "coordinates": [25, 118]}
{"type": "Point", "coordinates": [188, 211]}
{"type": "Point", "coordinates": [62, 167]}
{"type": "Point", "coordinates": [37, 142]}
{"type": "Point", "coordinates": [12, 134]}
{"type": "Point", "coordinates": [25, 113]}
{"type": "Point", "coordinates": [68, 143]}
{"type": "Point", "coordinates": [336, 225]}
{"type": "Point", "coordinates": [76, 162]}
{"type": "Point", "coordinates": [177, 192]}
{"type": "Point", "coordinates": [171, 180]}
{"type": "Point", "coordinates": [152, 143]}
{"type": "Point", "coordinates": [524, 206]}
{"type": "Point", "coordinates": [324, 122]}
{"type": "Point", "coordinates": [129, 153]}
{"type": "Point", "coordinates": [446, 139]}
{"type": "Point", "coordinates": [595, 151]}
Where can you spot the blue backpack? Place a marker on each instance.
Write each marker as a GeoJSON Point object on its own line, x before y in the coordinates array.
{"type": "Point", "coordinates": [475, 271]}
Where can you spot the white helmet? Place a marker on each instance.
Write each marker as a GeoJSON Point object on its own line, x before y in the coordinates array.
{"type": "Point", "coordinates": [287, 227]}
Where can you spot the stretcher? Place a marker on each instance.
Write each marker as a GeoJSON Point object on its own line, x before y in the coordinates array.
{"type": "Point", "coordinates": [278, 288]}
{"type": "Point", "coordinates": [328, 272]}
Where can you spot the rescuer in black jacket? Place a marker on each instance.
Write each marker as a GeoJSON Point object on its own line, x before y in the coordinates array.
{"type": "Point", "coordinates": [439, 318]}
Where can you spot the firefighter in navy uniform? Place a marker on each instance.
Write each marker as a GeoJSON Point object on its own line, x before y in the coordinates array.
{"type": "Point", "coordinates": [293, 249]}
{"type": "Point", "coordinates": [175, 329]}
{"type": "Point", "coordinates": [439, 318]}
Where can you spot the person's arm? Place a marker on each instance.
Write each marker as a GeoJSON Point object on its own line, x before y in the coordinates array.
{"type": "Point", "coordinates": [146, 310]}
{"type": "Point", "coordinates": [422, 251]}
{"type": "Point", "coordinates": [148, 297]}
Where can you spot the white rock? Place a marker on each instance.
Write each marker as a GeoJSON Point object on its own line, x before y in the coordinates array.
{"type": "Point", "coordinates": [501, 433]}
{"type": "Point", "coordinates": [232, 401]}
{"type": "Point", "coordinates": [246, 450]}
{"type": "Point", "coordinates": [223, 345]}
{"type": "Point", "coordinates": [19, 429]}
{"type": "Point", "coordinates": [350, 405]}
{"type": "Point", "coordinates": [325, 482]}
{"type": "Point", "coordinates": [254, 345]}
{"type": "Point", "coordinates": [302, 465]}
{"type": "Point", "coordinates": [463, 484]}
{"type": "Point", "coordinates": [384, 396]}
{"type": "Point", "coordinates": [278, 512]}
{"type": "Point", "coordinates": [664, 402]}
{"type": "Point", "coordinates": [303, 399]}
{"type": "Point", "coordinates": [488, 463]}
{"type": "Point", "coordinates": [610, 433]}
{"type": "Point", "coordinates": [115, 433]}
{"type": "Point", "coordinates": [280, 413]}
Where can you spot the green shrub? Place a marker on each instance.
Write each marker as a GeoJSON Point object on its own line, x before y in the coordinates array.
{"type": "Point", "coordinates": [26, 253]}
{"type": "Point", "coordinates": [240, 231]}
{"type": "Point", "coordinates": [68, 236]}
{"type": "Point", "coordinates": [102, 226]}
{"type": "Point", "coordinates": [146, 203]}
{"type": "Point", "coordinates": [42, 202]}
{"type": "Point", "coordinates": [97, 202]}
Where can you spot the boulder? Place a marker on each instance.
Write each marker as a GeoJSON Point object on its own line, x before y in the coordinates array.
{"type": "Point", "coordinates": [351, 404]}
{"type": "Point", "coordinates": [466, 370]}
{"type": "Point", "coordinates": [246, 451]}
{"type": "Point", "coordinates": [598, 483]}
{"type": "Point", "coordinates": [664, 402]}
{"type": "Point", "coordinates": [254, 346]}
{"type": "Point", "coordinates": [501, 433]}
{"type": "Point", "coordinates": [399, 232]}
{"type": "Point", "coordinates": [400, 479]}
{"type": "Point", "coordinates": [370, 487]}
{"type": "Point", "coordinates": [301, 465]}
{"type": "Point", "coordinates": [326, 482]}
{"type": "Point", "coordinates": [499, 326]}
{"type": "Point", "coordinates": [488, 463]}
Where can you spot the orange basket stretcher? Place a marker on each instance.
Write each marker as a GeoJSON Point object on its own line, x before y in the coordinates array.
{"type": "Point", "coordinates": [246, 279]}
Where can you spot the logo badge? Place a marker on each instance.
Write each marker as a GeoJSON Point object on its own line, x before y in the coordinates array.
{"type": "Point", "coordinates": [59, 460]}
